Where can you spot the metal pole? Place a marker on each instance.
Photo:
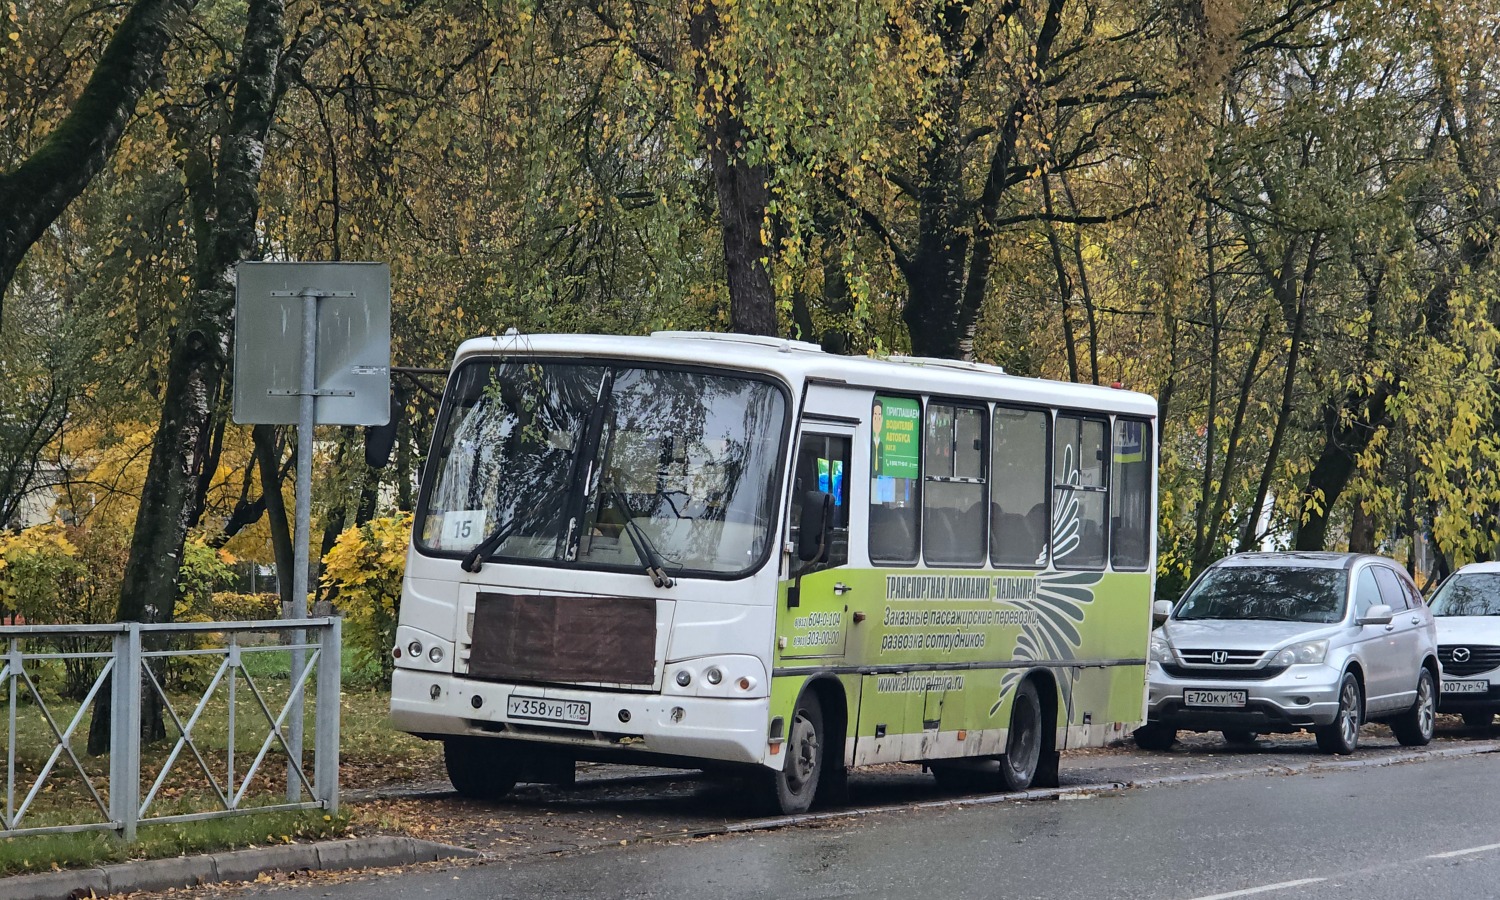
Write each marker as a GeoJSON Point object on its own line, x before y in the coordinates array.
{"type": "Point", "coordinates": [326, 743]}
{"type": "Point", "coordinates": [125, 733]}
{"type": "Point", "coordinates": [306, 408]}
{"type": "Point", "coordinates": [13, 665]}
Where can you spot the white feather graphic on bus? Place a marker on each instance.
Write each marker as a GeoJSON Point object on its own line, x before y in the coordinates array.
{"type": "Point", "coordinates": [1062, 598]}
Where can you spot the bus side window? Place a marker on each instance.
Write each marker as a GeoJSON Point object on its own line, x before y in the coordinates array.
{"type": "Point", "coordinates": [1130, 497]}
{"type": "Point", "coordinates": [1079, 493]}
{"type": "Point", "coordinates": [1018, 489]}
{"type": "Point", "coordinates": [953, 471]}
{"type": "Point", "coordinates": [822, 465]}
{"type": "Point", "coordinates": [895, 479]}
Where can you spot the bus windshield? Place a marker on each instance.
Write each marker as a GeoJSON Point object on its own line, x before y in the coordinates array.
{"type": "Point", "coordinates": [607, 466]}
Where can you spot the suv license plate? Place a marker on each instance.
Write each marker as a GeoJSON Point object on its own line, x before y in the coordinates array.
{"type": "Point", "coordinates": [1214, 698]}
{"type": "Point", "coordinates": [575, 712]}
{"type": "Point", "coordinates": [1466, 687]}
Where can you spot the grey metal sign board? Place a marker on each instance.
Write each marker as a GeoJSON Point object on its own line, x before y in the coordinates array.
{"type": "Point", "coordinates": [353, 382]}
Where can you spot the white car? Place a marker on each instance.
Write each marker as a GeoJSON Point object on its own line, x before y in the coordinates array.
{"type": "Point", "coordinates": [1467, 611]}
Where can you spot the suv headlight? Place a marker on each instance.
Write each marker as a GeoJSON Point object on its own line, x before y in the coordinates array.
{"type": "Point", "coordinates": [1161, 650]}
{"type": "Point", "coordinates": [1312, 652]}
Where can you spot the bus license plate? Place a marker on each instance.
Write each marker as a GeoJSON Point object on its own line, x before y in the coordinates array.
{"type": "Point", "coordinates": [1214, 698]}
{"type": "Point", "coordinates": [1466, 687]}
{"type": "Point", "coordinates": [575, 712]}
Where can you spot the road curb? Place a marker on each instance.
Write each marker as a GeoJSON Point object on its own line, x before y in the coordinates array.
{"type": "Point", "coordinates": [235, 865]}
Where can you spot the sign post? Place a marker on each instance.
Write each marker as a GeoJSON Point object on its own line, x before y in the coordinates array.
{"type": "Point", "coordinates": [312, 346]}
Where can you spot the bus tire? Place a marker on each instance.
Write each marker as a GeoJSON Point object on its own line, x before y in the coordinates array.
{"type": "Point", "coordinates": [1023, 742]}
{"type": "Point", "coordinates": [479, 769]}
{"type": "Point", "coordinates": [791, 790]}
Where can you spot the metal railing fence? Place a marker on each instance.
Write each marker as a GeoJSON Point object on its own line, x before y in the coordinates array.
{"type": "Point", "coordinates": [130, 666]}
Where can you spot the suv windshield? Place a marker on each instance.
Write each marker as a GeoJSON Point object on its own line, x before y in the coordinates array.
{"type": "Point", "coordinates": [1281, 593]}
{"type": "Point", "coordinates": [547, 461]}
{"type": "Point", "coordinates": [1476, 594]}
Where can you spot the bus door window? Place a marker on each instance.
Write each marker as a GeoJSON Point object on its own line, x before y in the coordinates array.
{"type": "Point", "coordinates": [822, 465]}
{"type": "Point", "coordinates": [895, 479]}
{"type": "Point", "coordinates": [1130, 496]}
{"type": "Point", "coordinates": [953, 477]}
{"type": "Point", "coordinates": [1019, 525]}
{"type": "Point", "coordinates": [1079, 493]}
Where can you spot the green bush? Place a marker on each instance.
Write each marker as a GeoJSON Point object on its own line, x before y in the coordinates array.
{"type": "Point", "coordinates": [60, 575]}
{"type": "Point", "coordinates": [365, 567]}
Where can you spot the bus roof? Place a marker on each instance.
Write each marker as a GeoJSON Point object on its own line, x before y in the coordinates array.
{"type": "Point", "coordinates": [799, 361]}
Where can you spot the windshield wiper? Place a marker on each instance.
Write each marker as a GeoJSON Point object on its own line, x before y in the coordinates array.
{"type": "Point", "coordinates": [656, 567]}
{"type": "Point", "coordinates": [474, 560]}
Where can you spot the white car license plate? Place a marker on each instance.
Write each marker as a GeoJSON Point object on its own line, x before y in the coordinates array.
{"type": "Point", "coordinates": [575, 712]}
{"type": "Point", "coordinates": [1213, 698]}
{"type": "Point", "coordinates": [1466, 687]}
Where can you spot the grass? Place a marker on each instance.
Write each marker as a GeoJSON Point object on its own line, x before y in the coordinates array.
{"type": "Point", "coordinates": [47, 852]}
{"type": "Point", "coordinates": [371, 753]}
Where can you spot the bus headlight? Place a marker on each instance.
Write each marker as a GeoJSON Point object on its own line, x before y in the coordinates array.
{"type": "Point", "coordinates": [423, 650]}
{"type": "Point", "coordinates": [730, 677]}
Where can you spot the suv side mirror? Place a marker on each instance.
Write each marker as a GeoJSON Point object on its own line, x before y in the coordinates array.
{"type": "Point", "coordinates": [817, 517]}
{"type": "Point", "coordinates": [1161, 610]}
{"type": "Point", "coordinates": [1379, 614]}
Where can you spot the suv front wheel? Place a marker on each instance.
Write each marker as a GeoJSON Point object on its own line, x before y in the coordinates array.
{"type": "Point", "coordinates": [1413, 728]}
{"type": "Point", "coordinates": [1342, 734]}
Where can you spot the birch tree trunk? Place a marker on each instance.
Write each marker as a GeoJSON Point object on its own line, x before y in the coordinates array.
{"type": "Point", "coordinates": [172, 496]}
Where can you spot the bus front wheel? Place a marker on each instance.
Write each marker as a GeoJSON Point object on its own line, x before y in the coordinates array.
{"type": "Point", "coordinates": [480, 769]}
{"type": "Point", "coordinates": [791, 790]}
{"type": "Point", "coordinates": [1023, 744]}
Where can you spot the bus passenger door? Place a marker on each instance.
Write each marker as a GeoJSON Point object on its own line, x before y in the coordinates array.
{"type": "Point", "coordinates": [814, 618]}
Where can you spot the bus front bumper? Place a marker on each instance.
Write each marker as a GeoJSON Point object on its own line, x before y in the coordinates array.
{"type": "Point", "coordinates": [709, 728]}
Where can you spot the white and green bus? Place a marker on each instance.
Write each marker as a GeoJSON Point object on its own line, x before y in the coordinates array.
{"type": "Point", "coordinates": [720, 551]}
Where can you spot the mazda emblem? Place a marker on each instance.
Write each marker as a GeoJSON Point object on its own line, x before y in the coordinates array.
{"type": "Point", "coordinates": [1220, 657]}
{"type": "Point", "coordinates": [1460, 654]}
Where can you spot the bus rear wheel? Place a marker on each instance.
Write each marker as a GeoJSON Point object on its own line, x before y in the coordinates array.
{"type": "Point", "coordinates": [1023, 744]}
{"type": "Point", "coordinates": [791, 790]}
{"type": "Point", "coordinates": [479, 769]}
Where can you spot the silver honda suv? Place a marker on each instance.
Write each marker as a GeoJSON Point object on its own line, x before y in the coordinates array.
{"type": "Point", "coordinates": [1279, 642]}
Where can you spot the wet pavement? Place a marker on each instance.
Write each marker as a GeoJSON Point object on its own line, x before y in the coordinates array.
{"type": "Point", "coordinates": [1387, 823]}
{"type": "Point", "coordinates": [621, 804]}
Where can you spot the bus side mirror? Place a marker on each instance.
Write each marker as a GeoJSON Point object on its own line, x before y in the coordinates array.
{"type": "Point", "coordinates": [817, 517]}
{"type": "Point", "coordinates": [379, 439]}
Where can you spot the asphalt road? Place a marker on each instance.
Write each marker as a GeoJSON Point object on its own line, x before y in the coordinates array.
{"type": "Point", "coordinates": [1429, 830]}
